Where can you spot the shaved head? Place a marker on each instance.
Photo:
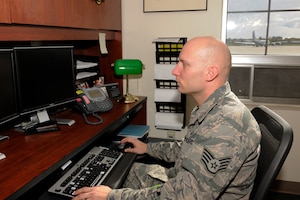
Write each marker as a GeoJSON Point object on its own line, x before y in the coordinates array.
{"type": "Point", "coordinates": [212, 52]}
{"type": "Point", "coordinates": [204, 66]}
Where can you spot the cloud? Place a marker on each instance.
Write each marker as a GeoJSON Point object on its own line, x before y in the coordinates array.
{"type": "Point", "coordinates": [285, 24]}
{"type": "Point", "coordinates": [282, 23]}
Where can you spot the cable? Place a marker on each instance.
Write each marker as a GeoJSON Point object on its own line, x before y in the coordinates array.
{"type": "Point", "coordinates": [92, 123]}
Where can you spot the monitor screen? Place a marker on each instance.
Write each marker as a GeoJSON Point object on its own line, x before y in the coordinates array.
{"type": "Point", "coordinates": [46, 77]}
{"type": "Point", "coordinates": [8, 102]}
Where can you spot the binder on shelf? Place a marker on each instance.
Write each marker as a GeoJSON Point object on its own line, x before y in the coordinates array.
{"type": "Point", "coordinates": [136, 131]}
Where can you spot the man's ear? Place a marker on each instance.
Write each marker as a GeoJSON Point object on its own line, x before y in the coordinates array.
{"type": "Point", "coordinates": [211, 73]}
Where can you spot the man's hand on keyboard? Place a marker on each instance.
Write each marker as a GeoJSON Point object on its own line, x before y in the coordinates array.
{"type": "Point", "coordinates": [138, 146]}
{"type": "Point", "coordinates": [92, 193]}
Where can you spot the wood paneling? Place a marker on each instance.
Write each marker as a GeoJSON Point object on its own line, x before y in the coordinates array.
{"type": "Point", "coordinates": [111, 12]}
{"type": "Point", "coordinates": [42, 33]}
{"type": "Point", "coordinates": [64, 13]}
{"type": "Point", "coordinates": [5, 12]}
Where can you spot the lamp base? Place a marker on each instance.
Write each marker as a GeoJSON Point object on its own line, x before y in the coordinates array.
{"type": "Point", "coordinates": [129, 98]}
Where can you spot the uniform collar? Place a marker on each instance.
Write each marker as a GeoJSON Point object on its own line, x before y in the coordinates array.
{"type": "Point", "coordinates": [199, 112]}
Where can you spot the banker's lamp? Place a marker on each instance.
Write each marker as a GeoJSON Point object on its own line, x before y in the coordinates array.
{"type": "Point", "coordinates": [127, 67]}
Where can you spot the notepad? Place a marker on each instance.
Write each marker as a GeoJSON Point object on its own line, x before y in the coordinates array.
{"type": "Point", "coordinates": [136, 131]}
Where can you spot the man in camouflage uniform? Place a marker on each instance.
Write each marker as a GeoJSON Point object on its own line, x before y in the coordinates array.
{"type": "Point", "coordinates": [217, 158]}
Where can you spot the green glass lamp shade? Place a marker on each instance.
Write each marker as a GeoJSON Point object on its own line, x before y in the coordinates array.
{"type": "Point", "coordinates": [128, 66]}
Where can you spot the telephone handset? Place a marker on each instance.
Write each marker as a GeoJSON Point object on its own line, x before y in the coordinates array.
{"type": "Point", "coordinates": [90, 101]}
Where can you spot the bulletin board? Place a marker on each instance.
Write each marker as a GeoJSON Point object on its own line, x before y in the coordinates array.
{"type": "Point", "coordinates": [174, 5]}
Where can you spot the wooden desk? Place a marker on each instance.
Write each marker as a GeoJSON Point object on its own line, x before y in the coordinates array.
{"type": "Point", "coordinates": [30, 159]}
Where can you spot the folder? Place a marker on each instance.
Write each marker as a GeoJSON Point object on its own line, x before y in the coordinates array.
{"type": "Point", "coordinates": [136, 131]}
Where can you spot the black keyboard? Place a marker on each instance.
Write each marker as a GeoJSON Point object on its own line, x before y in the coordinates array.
{"type": "Point", "coordinates": [90, 170]}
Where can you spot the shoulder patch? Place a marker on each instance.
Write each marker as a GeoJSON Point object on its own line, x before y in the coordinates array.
{"type": "Point", "coordinates": [212, 164]}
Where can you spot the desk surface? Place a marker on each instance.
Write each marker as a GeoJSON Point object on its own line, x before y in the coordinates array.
{"type": "Point", "coordinates": [31, 158]}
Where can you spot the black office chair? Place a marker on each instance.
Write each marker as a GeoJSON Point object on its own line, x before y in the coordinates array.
{"type": "Point", "coordinates": [277, 138]}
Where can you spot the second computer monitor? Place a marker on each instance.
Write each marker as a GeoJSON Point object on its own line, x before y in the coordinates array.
{"type": "Point", "coordinates": [46, 77]}
{"type": "Point", "coordinates": [8, 103]}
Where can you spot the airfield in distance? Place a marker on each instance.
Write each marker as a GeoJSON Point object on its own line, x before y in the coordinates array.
{"type": "Point", "coordinates": [272, 50]}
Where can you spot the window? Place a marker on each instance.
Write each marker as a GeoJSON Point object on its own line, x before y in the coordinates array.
{"type": "Point", "coordinates": [264, 39]}
{"type": "Point", "coordinates": [262, 27]}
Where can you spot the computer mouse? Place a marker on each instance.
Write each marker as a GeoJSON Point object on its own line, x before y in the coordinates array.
{"type": "Point", "coordinates": [125, 146]}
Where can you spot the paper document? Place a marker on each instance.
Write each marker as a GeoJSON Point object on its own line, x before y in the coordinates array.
{"type": "Point", "coordinates": [164, 72]}
{"type": "Point", "coordinates": [82, 75]}
{"type": "Point", "coordinates": [102, 43]}
{"type": "Point", "coordinates": [85, 65]}
{"type": "Point", "coordinates": [167, 95]}
{"type": "Point", "coordinates": [167, 39]}
{"type": "Point", "coordinates": [169, 121]}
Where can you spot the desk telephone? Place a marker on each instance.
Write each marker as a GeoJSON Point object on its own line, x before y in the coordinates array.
{"type": "Point", "coordinates": [90, 101]}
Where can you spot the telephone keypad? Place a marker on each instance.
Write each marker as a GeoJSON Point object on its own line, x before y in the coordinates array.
{"type": "Point", "coordinates": [104, 105]}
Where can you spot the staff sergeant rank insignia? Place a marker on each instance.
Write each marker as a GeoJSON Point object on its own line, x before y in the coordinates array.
{"type": "Point", "coordinates": [212, 164]}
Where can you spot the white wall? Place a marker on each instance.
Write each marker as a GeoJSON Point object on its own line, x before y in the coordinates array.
{"type": "Point", "coordinates": [140, 29]}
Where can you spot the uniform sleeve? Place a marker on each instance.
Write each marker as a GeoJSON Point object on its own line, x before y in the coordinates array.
{"type": "Point", "coordinates": [127, 193]}
{"type": "Point", "coordinates": [167, 151]}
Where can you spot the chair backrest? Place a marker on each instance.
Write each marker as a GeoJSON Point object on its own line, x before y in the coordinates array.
{"type": "Point", "coordinates": [277, 138]}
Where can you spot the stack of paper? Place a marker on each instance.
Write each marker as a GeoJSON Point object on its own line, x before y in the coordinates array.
{"type": "Point", "coordinates": [81, 65]}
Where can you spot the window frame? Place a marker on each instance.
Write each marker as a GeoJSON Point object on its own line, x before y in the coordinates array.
{"type": "Point", "coordinates": [268, 11]}
{"type": "Point", "coordinates": [256, 60]}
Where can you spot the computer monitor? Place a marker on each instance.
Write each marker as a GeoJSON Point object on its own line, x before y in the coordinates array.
{"type": "Point", "coordinates": [8, 101]}
{"type": "Point", "coordinates": [45, 77]}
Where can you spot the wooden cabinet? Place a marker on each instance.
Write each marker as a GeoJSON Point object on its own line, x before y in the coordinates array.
{"type": "Point", "coordinates": [5, 12]}
{"type": "Point", "coordinates": [111, 11]}
{"type": "Point", "coordinates": [65, 13]}
{"type": "Point", "coordinates": [32, 20]}
{"type": "Point", "coordinates": [83, 14]}
{"type": "Point", "coordinates": [72, 22]}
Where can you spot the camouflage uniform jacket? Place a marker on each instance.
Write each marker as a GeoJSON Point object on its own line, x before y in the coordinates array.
{"type": "Point", "coordinates": [217, 158]}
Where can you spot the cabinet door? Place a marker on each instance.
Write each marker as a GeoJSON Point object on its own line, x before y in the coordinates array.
{"type": "Point", "coordinates": [5, 12]}
{"type": "Point", "coordinates": [65, 13]}
{"type": "Point", "coordinates": [110, 15]}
